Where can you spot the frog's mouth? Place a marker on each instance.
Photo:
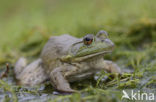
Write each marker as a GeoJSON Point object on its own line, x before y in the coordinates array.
{"type": "Point", "coordinates": [79, 59]}
{"type": "Point", "coordinates": [82, 58]}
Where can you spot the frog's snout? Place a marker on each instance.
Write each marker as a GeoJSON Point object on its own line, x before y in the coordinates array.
{"type": "Point", "coordinates": [109, 42]}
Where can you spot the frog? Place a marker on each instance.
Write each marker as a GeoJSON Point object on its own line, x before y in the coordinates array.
{"type": "Point", "coordinates": [65, 59]}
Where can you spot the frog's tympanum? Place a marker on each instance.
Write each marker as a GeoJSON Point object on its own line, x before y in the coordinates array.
{"type": "Point", "coordinates": [66, 59]}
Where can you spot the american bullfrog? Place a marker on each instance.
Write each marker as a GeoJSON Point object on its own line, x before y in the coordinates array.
{"type": "Point", "coordinates": [66, 59]}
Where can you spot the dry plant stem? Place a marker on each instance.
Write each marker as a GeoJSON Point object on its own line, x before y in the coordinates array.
{"type": "Point", "coordinates": [5, 73]}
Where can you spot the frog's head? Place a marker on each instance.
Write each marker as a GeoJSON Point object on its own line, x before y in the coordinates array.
{"type": "Point", "coordinates": [90, 47]}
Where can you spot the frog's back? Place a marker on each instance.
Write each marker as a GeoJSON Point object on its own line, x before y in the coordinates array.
{"type": "Point", "coordinates": [56, 47]}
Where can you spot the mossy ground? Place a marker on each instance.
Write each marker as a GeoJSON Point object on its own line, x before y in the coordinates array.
{"type": "Point", "coordinates": [26, 26]}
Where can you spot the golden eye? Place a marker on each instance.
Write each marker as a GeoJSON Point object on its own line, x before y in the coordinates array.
{"type": "Point", "coordinates": [88, 39]}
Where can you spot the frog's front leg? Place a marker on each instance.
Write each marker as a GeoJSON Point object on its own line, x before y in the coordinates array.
{"type": "Point", "coordinates": [109, 66]}
{"type": "Point", "coordinates": [58, 78]}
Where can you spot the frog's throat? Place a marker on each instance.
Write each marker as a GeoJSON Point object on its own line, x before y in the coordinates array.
{"type": "Point", "coordinates": [79, 59]}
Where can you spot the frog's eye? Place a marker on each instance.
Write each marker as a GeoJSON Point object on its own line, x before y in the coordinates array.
{"type": "Point", "coordinates": [88, 39]}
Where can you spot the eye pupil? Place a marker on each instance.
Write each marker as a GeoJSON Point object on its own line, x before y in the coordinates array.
{"type": "Point", "coordinates": [87, 39]}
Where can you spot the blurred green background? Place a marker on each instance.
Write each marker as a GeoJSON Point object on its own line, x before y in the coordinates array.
{"type": "Point", "coordinates": [26, 25]}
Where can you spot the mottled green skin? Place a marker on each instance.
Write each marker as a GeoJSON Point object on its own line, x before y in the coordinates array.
{"type": "Point", "coordinates": [96, 47]}
{"type": "Point", "coordinates": [66, 59]}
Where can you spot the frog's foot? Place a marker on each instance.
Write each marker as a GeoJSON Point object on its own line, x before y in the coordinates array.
{"type": "Point", "coordinates": [59, 82]}
{"type": "Point", "coordinates": [19, 66]}
{"type": "Point", "coordinates": [32, 74]}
